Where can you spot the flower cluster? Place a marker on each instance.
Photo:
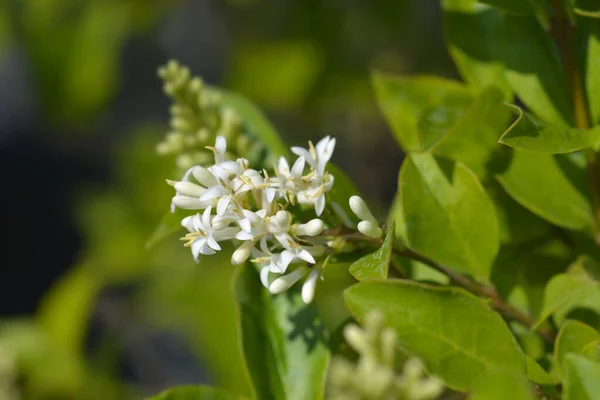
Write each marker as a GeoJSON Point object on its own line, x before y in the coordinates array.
{"type": "Point", "coordinates": [197, 118]}
{"type": "Point", "coordinates": [241, 204]}
{"type": "Point", "coordinates": [373, 376]}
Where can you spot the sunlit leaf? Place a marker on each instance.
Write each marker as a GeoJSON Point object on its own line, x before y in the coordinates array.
{"type": "Point", "coordinates": [572, 338]}
{"type": "Point", "coordinates": [283, 341]}
{"type": "Point", "coordinates": [531, 133]}
{"type": "Point", "coordinates": [419, 110]}
{"type": "Point", "coordinates": [536, 373]}
{"type": "Point", "coordinates": [582, 379]}
{"type": "Point", "coordinates": [536, 181]}
{"type": "Point", "coordinates": [456, 334]}
{"type": "Point", "coordinates": [376, 264]}
{"type": "Point", "coordinates": [448, 215]}
{"type": "Point", "coordinates": [501, 384]}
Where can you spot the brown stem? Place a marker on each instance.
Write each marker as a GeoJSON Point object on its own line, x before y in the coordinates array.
{"type": "Point", "coordinates": [488, 292]}
{"type": "Point", "coordinates": [564, 36]}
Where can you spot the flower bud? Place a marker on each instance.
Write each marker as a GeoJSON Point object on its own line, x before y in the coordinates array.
{"type": "Point", "coordinates": [242, 253]}
{"type": "Point", "coordinates": [282, 284]}
{"type": "Point", "coordinates": [188, 189]}
{"type": "Point", "coordinates": [204, 176]}
{"type": "Point", "coordinates": [188, 203]}
{"type": "Point", "coordinates": [309, 286]}
{"type": "Point", "coordinates": [356, 338]}
{"type": "Point", "coordinates": [368, 228]}
{"type": "Point", "coordinates": [311, 228]}
{"type": "Point", "coordinates": [360, 208]}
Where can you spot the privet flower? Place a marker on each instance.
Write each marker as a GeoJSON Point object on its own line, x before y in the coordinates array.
{"type": "Point", "coordinates": [373, 377]}
{"type": "Point", "coordinates": [197, 118]}
{"type": "Point", "coordinates": [250, 208]}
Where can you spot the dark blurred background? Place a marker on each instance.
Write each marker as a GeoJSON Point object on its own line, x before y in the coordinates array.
{"type": "Point", "coordinates": [81, 110]}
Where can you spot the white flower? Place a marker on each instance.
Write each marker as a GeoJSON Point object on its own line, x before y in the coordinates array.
{"type": "Point", "coordinates": [317, 157]}
{"type": "Point", "coordinates": [203, 237]}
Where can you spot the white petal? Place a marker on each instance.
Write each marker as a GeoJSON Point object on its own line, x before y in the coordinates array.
{"type": "Point", "coordinates": [211, 193]}
{"type": "Point", "coordinates": [283, 261]}
{"type": "Point", "coordinates": [244, 236]}
{"type": "Point", "coordinates": [206, 217]}
{"type": "Point", "coordinates": [309, 286]}
{"type": "Point", "coordinates": [187, 223]}
{"type": "Point", "coordinates": [262, 213]}
{"type": "Point", "coordinates": [245, 225]}
{"type": "Point", "coordinates": [221, 144]}
{"type": "Point", "coordinates": [187, 202]}
{"type": "Point", "coordinates": [302, 152]}
{"type": "Point", "coordinates": [222, 205]}
{"type": "Point", "coordinates": [203, 176]}
{"type": "Point", "coordinates": [212, 243]}
{"type": "Point", "coordinates": [231, 166]}
{"type": "Point", "coordinates": [188, 189]}
{"type": "Point", "coordinates": [270, 193]}
{"type": "Point", "coordinates": [298, 167]}
{"type": "Point", "coordinates": [264, 277]}
{"type": "Point", "coordinates": [196, 247]}
{"type": "Point", "coordinates": [283, 166]}
{"type": "Point", "coordinates": [241, 254]}
{"type": "Point", "coordinates": [320, 204]}
{"type": "Point", "coordinates": [306, 256]}
{"type": "Point", "coordinates": [282, 284]}
{"type": "Point", "coordinates": [263, 246]}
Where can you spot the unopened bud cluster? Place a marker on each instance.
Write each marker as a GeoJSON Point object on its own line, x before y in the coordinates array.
{"type": "Point", "coordinates": [369, 226]}
{"type": "Point", "coordinates": [373, 377]}
{"type": "Point", "coordinates": [252, 209]}
{"type": "Point", "coordinates": [197, 118]}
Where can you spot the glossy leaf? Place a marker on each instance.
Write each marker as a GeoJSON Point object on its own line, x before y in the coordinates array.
{"type": "Point", "coordinates": [448, 215]}
{"type": "Point", "coordinates": [473, 33]}
{"type": "Point", "coordinates": [531, 133]}
{"type": "Point", "coordinates": [499, 384]}
{"type": "Point", "coordinates": [565, 292]}
{"type": "Point", "coordinates": [456, 334]}
{"type": "Point", "coordinates": [536, 181]}
{"type": "Point", "coordinates": [282, 339]}
{"type": "Point", "coordinates": [582, 380]}
{"type": "Point", "coordinates": [198, 392]}
{"type": "Point", "coordinates": [419, 110]}
{"type": "Point", "coordinates": [536, 373]}
{"type": "Point", "coordinates": [474, 137]}
{"type": "Point", "coordinates": [572, 338]}
{"type": "Point", "coordinates": [591, 351]}
{"type": "Point", "coordinates": [534, 70]}
{"type": "Point", "coordinates": [376, 264]}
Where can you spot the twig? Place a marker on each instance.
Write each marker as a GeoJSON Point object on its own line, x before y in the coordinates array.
{"type": "Point", "coordinates": [488, 292]}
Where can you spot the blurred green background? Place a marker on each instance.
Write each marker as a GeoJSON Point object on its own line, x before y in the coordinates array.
{"type": "Point", "coordinates": [87, 311]}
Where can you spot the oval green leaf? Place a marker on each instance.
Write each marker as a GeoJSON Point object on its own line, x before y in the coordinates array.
{"type": "Point", "coordinates": [376, 264]}
{"type": "Point", "coordinates": [536, 373]}
{"type": "Point", "coordinates": [582, 380]}
{"type": "Point", "coordinates": [531, 133]}
{"type": "Point", "coordinates": [536, 181]}
{"type": "Point", "coordinates": [448, 215]}
{"type": "Point", "coordinates": [572, 338]}
{"type": "Point", "coordinates": [499, 384]}
{"type": "Point", "coordinates": [282, 339]}
{"type": "Point", "coordinates": [419, 110]}
{"type": "Point", "coordinates": [455, 333]}
{"type": "Point", "coordinates": [591, 351]}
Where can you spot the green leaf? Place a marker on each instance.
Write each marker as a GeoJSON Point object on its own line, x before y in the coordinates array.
{"type": "Point", "coordinates": [473, 33]}
{"type": "Point", "coordinates": [534, 70]}
{"type": "Point", "coordinates": [525, 7]}
{"type": "Point", "coordinates": [282, 339]}
{"type": "Point", "coordinates": [531, 133]}
{"type": "Point", "coordinates": [592, 76]}
{"type": "Point", "coordinates": [455, 333]}
{"type": "Point", "coordinates": [448, 215]}
{"type": "Point", "coordinates": [566, 292]}
{"type": "Point", "coordinates": [375, 265]}
{"type": "Point", "coordinates": [591, 351]}
{"type": "Point", "coordinates": [419, 110]}
{"type": "Point", "coordinates": [536, 181]}
{"type": "Point", "coordinates": [582, 379]}
{"type": "Point", "coordinates": [536, 373]}
{"type": "Point", "coordinates": [258, 125]}
{"type": "Point", "coordinates": [198, 392]}
{"type": "Point", "coordinates": [497, 384]}
{"type": "Point", "coordinates": [572, 338]}
{"type": "Point", "coordinates": [474, 137]}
